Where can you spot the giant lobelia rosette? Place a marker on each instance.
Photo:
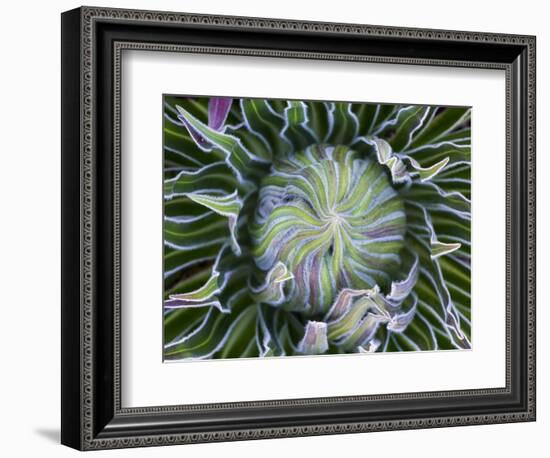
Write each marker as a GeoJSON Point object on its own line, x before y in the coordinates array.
{"type": "Point", "coordinates": [300, 228]}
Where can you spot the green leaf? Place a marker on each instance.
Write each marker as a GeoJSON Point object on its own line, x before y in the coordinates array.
{"type": "Point", "coordinates": [427, 173]}
{"type": "Point", "coordinates": [447, 120]}
{"type": "Point", "coordinates": [263, 120]}
{"type": "Point", "coordinates": [186, 236]}
{"type": "Point", "coordinates": [297, 130]}
{"type": "Point", "coordinates": [345, 323]}
{"type": "Point", "coordinates": [363, 332]}
{"type": "Point", "coordinates": [344, 125]}
{"type": "Point", "coordinates": [408, 121]}
{"type": "Point", "coordinates": [385, 156]}
{"type": "Point", "coordinates": [383, 115]}
{"type": "Point", "coordinates": [211, 333]}
{"type": "Point", "coordinates": [432, 196]}
{"type": "Point", "coordinates": [429, 154]}
{"type": "Point", "coordinates": [431, 286]}
{"type": "Point", "coordinates": [201, 297]}
{"type": "Point", "coordinates": [421, 332]}
{"type": "Point", "coordinates": [271, 291]}
{"type": "Point", "coordinates": [177, 261]}
{"type": "Point", "coordinates": [189, 282]}
{"type": "Point", "coordinates": [319, 118]}
{"type": "Point", "coordinates": [365, 113]}
{"type": "Point", "coordinates": [241, 335]}
{"type": "Point", "coordinates": [245, 164]}
{"type": "Point", "coordinates": [213, 176]}
{"type": "Point", "coordinates": [227, 205]}
{"type": "Point", "coordinates": [442, 249]}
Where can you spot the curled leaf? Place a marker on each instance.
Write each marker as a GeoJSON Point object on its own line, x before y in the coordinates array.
{"type": "Point", "coordinates": [315, 340]}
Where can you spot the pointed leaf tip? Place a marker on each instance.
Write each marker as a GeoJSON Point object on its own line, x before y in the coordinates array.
{"type": "Point", "coordinates": [442, 249]}
{"type": "Point", "coordinates": [218, 109]}
{"type": "Point", "coordinates": [427, 173]}
{"type": "Point", "coordinates": [227, 205]}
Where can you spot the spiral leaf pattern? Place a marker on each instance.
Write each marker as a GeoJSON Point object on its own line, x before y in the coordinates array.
{"type": "Point", "coordinates": [333, 219]}
{"type": "Point", "coordinates": [304, 228]}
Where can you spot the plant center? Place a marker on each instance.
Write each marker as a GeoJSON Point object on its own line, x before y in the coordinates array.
{"type": "Point", "coordinates": [333, 219]}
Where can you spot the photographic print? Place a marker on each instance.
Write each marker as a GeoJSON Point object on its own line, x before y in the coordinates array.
{"type": "Point", "coordinates": [320, 234]}
{"type": "Point", "coordinates": [296, 227]}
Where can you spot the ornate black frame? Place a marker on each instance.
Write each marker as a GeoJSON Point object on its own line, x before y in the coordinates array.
{"type": "Point", "coordinates": [92, 42]}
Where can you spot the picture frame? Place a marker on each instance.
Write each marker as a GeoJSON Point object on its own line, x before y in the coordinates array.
{"type": "Point", "coordinates": [93, 415]}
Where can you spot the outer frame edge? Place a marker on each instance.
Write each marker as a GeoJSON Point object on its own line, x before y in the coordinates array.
{"type": "Point", "coordinates": [89, 14]}
{"type": "Point", "coordinates": [71, 395]}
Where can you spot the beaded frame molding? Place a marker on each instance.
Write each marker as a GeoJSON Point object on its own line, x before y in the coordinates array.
{"type": "Point", "coordinates": [92, 42]}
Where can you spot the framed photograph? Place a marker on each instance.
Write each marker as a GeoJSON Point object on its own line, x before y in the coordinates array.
{"type": "Point", "coordinates": [277, 228]}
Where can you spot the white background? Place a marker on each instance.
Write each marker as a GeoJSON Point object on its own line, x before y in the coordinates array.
{"type": "Point", "coordinates": [147, 75]}
{"type": "Point", "coordinates": [30, 245]}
